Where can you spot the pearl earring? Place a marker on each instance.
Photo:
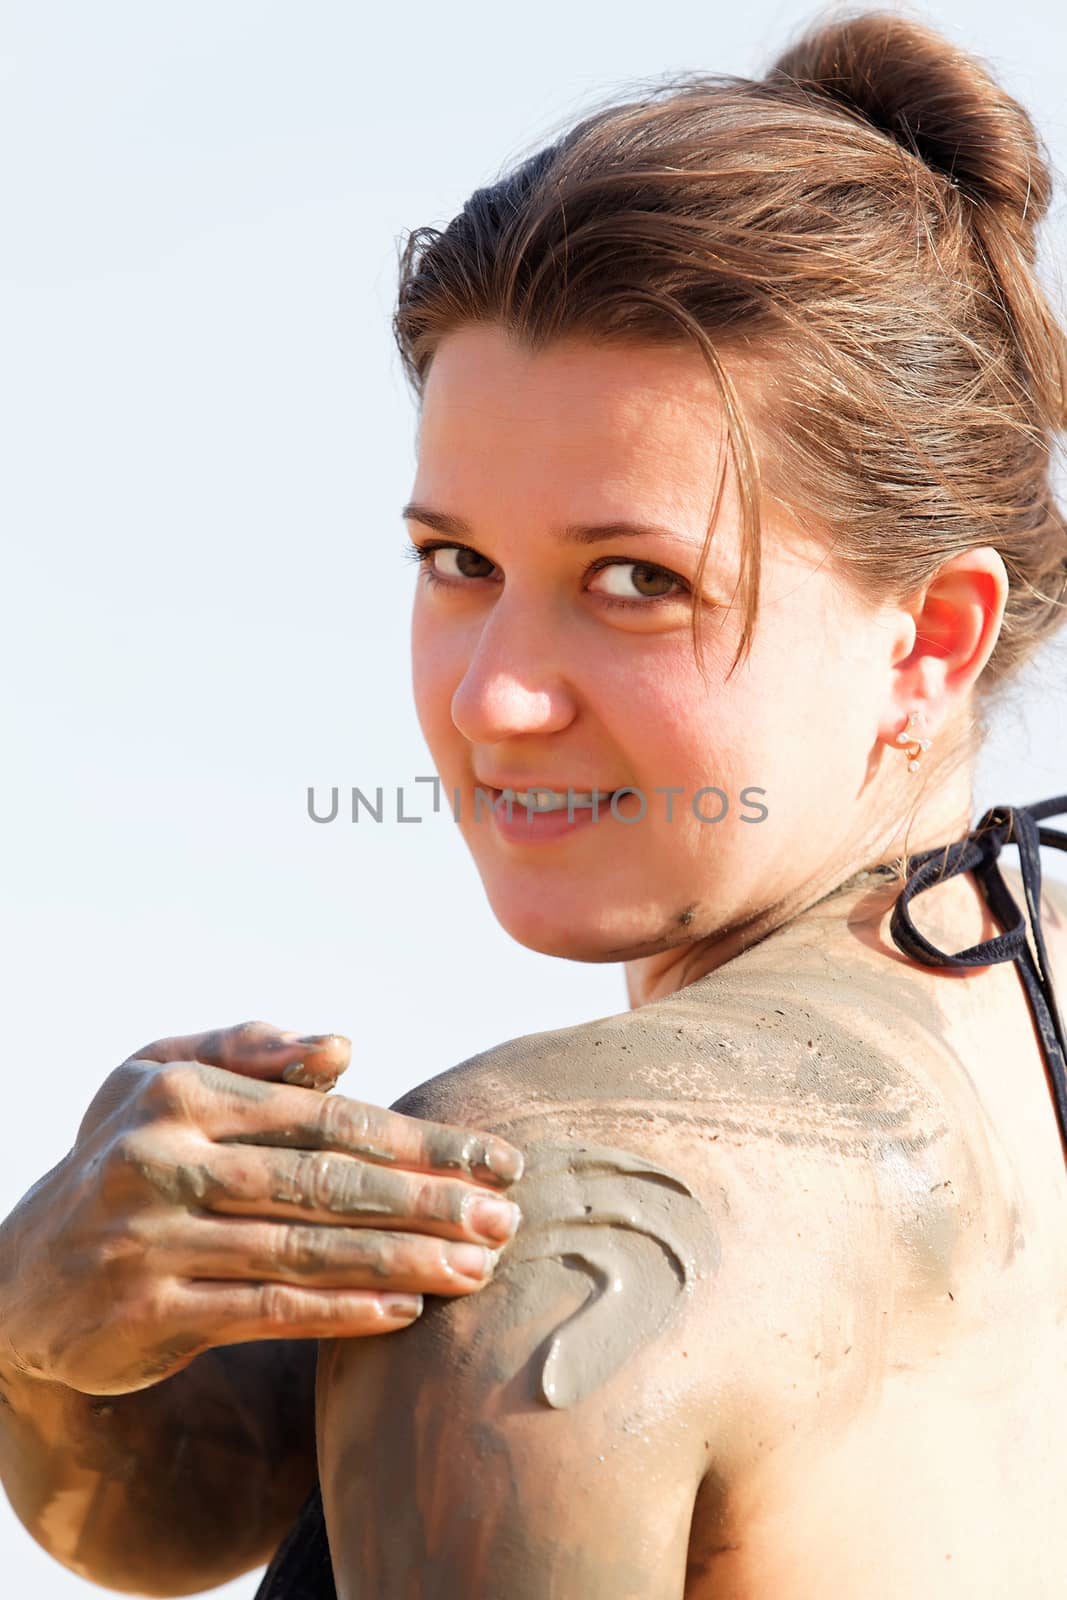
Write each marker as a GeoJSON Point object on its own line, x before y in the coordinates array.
{"type": "Point", "coordinates": [909, 736]}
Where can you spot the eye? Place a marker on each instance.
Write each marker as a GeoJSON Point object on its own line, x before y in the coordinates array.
{"type": "Point", "coordinates": [455, 565]}
{"type": "Point", "coordinates": [444, 571]}
{"type": "Point", "coordinates": [643, 583]}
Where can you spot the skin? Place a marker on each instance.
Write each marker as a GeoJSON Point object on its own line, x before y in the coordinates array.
{"type": "Point", "coordinates": [217, 1213]}
{"type": "Point", "coordinates": [874, 1342]}
{"type": "Point", "coordinates": [525, 667]}
{"type": "Point", "coordinates": [850, 1244]}
{"type": "Point", "coordinates": [785, 1075]}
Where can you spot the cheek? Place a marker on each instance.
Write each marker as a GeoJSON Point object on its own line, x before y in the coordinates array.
{"type": "Point", "coordinates": [750, 729]}
{"type": "Point", "coordinates": [677, 723]}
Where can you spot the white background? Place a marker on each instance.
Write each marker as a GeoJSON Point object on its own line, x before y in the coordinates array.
{"type": "Point", "coordinates": [206, 441]}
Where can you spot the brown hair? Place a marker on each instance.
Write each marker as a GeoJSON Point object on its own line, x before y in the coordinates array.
{"type": "Point", "coordinates": [858, 226]}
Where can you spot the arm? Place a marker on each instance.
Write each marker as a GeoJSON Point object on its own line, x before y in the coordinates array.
{"type": "Point", "coordinates": [163, 1288]}
{"type": "Point", "coordinates": [172, 1489]}
{"type": "Point", "coordinates": [508, 1447]}
{"type": "Point", "coordinates": [692, 1310]}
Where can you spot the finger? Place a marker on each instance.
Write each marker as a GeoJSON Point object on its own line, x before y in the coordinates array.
{"type": "Point", "coordinates": [259, 1050]}
{"type": "Point", "coordinates": [237, 1313]}
{"type": "Point", "coordinates": [290, 1117]}
{"type": "Point", "coordinates": [322, 1186]}
{"type": "Point", "coordinates": [323, 1257]}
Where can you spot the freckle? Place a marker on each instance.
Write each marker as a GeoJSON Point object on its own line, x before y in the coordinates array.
{"type": "Point", "coordinates": [685, 918]}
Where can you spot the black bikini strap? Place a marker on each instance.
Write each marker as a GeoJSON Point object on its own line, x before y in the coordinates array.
{"type": "Point", "coordinates": [978, 853]}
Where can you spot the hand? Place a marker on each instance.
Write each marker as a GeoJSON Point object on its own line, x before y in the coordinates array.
{"type": "Point", "coordinates": [207, 1201]}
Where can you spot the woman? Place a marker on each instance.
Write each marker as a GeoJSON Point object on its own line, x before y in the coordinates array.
{"type": "Point", "coordinates": [732, 514]}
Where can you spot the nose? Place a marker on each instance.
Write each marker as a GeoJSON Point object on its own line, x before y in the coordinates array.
{"type": "Point", "coordinates": [513, 683]}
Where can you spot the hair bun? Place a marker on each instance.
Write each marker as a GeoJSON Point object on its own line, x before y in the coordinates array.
{"type": "Point", "coordinates": [932, 97]}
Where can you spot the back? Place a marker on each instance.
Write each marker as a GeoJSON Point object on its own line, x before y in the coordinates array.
{"type": "Point", "coordinates": [948, 1478]}
{"type": "Point", "coordinates": [836, 1273]}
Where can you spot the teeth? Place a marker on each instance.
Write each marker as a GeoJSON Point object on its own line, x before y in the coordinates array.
{"type": "Point", "coordinates": [554, 800]}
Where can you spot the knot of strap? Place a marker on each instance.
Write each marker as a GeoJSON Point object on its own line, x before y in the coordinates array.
{"type": "Point", "coordinates": [978, 853]}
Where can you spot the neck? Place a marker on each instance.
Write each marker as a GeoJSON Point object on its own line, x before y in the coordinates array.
{"type": "Point", "coordinates": [945, 819]}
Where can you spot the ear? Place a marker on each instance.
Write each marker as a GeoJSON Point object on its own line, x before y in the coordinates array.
{"type": "Point", "coordinates": [949, 628]}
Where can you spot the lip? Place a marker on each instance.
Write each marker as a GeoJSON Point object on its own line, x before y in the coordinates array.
{"type": "Point", "coordinates": [525, 827]}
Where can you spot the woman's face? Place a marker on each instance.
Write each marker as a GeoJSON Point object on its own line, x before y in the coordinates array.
{"type": "Point", "coordinates": [548, 653]}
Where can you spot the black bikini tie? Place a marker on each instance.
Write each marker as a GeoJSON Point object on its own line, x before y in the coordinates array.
{"type": "Point", "coordinates": [978, 853]}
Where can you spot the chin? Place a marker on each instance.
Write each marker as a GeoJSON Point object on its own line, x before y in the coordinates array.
{"type": "Point", "coordinates": [567, 947]}
{"type": "Point", "coordinates": [554, 930]}
{"type": "Point", "coordinates": [572, 934]}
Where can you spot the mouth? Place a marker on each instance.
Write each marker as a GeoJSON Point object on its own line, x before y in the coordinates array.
{"type": "Point", "coordinates": [543, 798]}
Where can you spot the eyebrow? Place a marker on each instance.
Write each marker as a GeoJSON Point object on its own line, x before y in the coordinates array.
{"type": "Point", "coordinates": [572, 533]}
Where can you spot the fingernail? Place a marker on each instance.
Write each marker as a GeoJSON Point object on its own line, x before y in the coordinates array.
{"type": "Point", "coordinates": [316, 1038]}
{"type": "Point", "coordinates": [402, 1305]}
{"type": "Point", "coordinates": [501, 1163]}
{"type": "Point", "coordinates": [495, 1219]}
{"type": "Point", "coordinates": [472, 1260]}
{"type": "Point", "coordinates": [297, 1073]}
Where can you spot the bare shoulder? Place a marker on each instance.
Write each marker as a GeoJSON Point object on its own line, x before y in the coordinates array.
{"type": "Point", "coordinates": [793, 1060]}
{"type": "Point", "coordinates": [754, 1161]}
{"type": "Point", "coordinates": [788, 1054]}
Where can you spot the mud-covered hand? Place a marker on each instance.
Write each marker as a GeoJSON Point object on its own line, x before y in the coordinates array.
{"type": "Point", "coordinates": [216, 1194]}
